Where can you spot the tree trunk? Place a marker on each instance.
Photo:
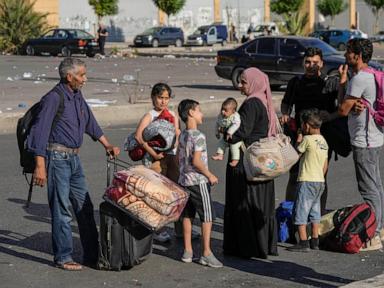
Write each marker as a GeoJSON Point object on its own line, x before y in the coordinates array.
{"type": "Point", "coordinates": [332, 20]}
{"type": "Point", "coordinates": [376, 30]}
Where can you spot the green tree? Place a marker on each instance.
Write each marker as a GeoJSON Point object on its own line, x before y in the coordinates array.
{"type": "Point", "coordinates": [289, 10]}
{"type": "Point", "coordinates": [331, 8]}
{"type": "Point", "coordinates": [19, 22]}
{"type": "Point", "coordinates": [377, 7]}
{"type": "Point", "coordinates": [287, 7]}
{"type": "Point", "coordinates": [104, 7]}
{"type": "Point", "coordinates": [170, 7]}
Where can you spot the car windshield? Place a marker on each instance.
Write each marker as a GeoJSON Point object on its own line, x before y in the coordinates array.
{"type": "Point", "coordinates": [325, 48]}
{"type": "Point", "coordinates": [260, 28]}
{"type": "Point", "coordinates": [201, 30]}
{"type": "Point", "coordinates": [80, 34]}
{"type": "Point", "coordinates": [151, 30]}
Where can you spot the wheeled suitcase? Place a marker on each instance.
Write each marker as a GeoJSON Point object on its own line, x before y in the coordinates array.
{"type": "Point", "coordinates": [124, 242]}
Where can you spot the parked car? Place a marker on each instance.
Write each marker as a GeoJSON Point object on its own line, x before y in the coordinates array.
{"type": "Point", "coordinates": [63, 41]}
{"type": "Point", "coordinates": [160, 36]}
{"type": "Point", "coordinates": [263, 30]}
{"type": "Point", "coordinates": [338, 38]}
{"type": "Point", "coordinates": [379, 37]}
{"type": "Point", "coordinates": [209, 35]}
{"type": "Point", "coordinates": [280, 57]}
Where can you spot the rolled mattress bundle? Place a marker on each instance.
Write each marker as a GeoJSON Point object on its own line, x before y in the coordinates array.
{"type": "Point", "coordinates": [151, 197]}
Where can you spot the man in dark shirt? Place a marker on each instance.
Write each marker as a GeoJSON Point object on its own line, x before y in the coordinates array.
{"type": "Point", "coordinates": [312, 90]}
{"type": "Point", "coordinates": [58, 163]}
{"type": "Point", "coordinates": [102, 34]}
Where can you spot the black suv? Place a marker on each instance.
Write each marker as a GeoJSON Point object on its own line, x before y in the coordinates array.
{"type": "Point", "coordinates": [160, 36]}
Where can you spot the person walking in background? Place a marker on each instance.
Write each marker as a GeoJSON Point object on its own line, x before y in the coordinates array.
{"type": "Point", "coordinates": [366, 136]}
{"type": "Point", "coordinates": [102, 34]}
{"type": "Point", "coordinates": [250, 228]}
{"type": "Point", "coordinates": [58, 164]}
{"type": "Point", "coordinates": [310, 182]}
{"type": "Point", "coordinates": [196, 178]}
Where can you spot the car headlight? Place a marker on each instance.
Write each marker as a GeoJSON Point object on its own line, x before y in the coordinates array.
{"type": "Point", "coordinates": [150, 37]}
{"type": "Point", "coordinates": [198, 38]}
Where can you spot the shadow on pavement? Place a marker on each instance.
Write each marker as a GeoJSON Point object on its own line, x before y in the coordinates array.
{"type": "Point", "coordinates": [287, 271]}
{"type": "Point", "coordinates": [40, 241]}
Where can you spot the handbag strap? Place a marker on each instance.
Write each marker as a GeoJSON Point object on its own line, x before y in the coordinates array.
{"type": "Point", "coordinates": [279, 129]}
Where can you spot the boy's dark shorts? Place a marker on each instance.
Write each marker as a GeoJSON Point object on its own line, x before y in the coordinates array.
{"type": "Point", "coordinates": [199, 201]}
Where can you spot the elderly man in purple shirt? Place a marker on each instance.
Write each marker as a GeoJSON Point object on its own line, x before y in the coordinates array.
{"type": "Point", "coordinates": [58, 164]}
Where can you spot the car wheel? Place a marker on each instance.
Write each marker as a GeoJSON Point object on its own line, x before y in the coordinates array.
{"type": "Point", "coordinates": [65, 52]}
{"type": "Point", "coordinates": [30, 50]}
{"type": "Point", "coordinates": [178, 43]}
{"type": "Point", "coordinates": [236, 77]}
{"type": "Point", "coordinates": [155, 43]}
{"type": "Point", "coordinates": [90, 54]}
{"type": "Point", "coordinates": [341, 46]}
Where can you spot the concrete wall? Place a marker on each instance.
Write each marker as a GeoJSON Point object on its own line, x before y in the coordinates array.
{"type": "Point", "coordinates": [51, 7]}
{"type": "Point", "coordinates": [136, 15]}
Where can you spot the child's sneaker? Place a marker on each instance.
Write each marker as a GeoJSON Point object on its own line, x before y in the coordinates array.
{"type": "Point", "coordinates": [210, 261]}
{"type": "Point", "coordinates": [302, 246]}
{"type": "Point", "coordinates": [373, 244]}
{"type": "Point", "coordinates": [187, 257]}
{"type": "Point", "coordinates": [314, 243]}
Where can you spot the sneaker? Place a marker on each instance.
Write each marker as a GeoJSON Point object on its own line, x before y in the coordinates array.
{"type": "Point", "coordinates": [303, 246]}
{"type": "Point", "coordinates": [314, 243]}
{"type": "Point", "coordinates": [210, 261]}
{"type": "Point", "coordinates": [187, 257]}
{"type": "Point", "coordinates": [162, 237]}
{"type": "Point", "coordinates": [373, 244]}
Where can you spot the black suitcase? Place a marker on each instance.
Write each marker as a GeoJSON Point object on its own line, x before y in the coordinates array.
{"type": "Point", "coordinates": [124, 242]}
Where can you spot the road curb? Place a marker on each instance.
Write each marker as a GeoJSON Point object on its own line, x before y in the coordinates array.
{"type": "Point", "coordinates": [126, 114]}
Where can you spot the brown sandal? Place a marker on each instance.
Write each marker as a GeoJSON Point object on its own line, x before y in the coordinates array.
{"type": "Point", "coordinates": [69, 266]}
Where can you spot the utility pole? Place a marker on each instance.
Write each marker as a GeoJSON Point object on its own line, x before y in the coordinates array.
{"type": "Point", "coordinates": [216, 11]}
{"type": "Point", "coordinates": [161, 17]}
{"type": "Point", "coordinates": [352, 13]}
{"type": "Point", "coordinates": [267, 11]}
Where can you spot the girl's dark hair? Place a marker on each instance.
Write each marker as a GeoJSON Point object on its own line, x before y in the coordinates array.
{"type": "Point", "coordinates": [159, 88]}
{"type": "Point", "coordinates": [184, 107]}
{"type": "Point", "coordinates": [363, 46]}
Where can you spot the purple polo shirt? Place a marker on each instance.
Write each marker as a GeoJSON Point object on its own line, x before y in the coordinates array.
{"type": "Point", "coordinates": [76, 120]}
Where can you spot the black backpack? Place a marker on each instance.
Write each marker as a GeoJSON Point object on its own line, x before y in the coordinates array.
{"type": "Point", "coordinates": [24, 124]}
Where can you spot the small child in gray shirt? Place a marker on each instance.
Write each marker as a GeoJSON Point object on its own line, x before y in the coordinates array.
{"type": "Point", "coordinates": [228, 122]}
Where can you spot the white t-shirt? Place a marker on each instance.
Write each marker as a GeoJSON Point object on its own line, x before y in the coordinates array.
{"type": "Point", "coordinates": [362, 85]}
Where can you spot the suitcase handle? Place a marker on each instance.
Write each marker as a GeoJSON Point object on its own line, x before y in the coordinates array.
{"type": "Point", "coordinates": [114, 164]}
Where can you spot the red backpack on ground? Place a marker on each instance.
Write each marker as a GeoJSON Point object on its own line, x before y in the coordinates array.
{"type": "Point", "coordinates": [377, 109]}
{"type": "Point", "coordinates": [354, 226]}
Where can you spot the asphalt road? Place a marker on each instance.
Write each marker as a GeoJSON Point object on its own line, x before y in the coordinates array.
{"type": "Point", "coordinates": [24, 79]}
{"type": "Point", "coordinates": [25, 237]}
